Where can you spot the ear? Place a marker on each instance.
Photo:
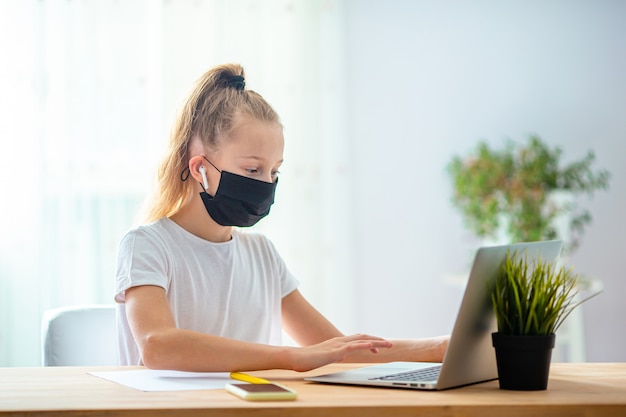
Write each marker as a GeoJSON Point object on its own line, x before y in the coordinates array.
{"type": "Point", "coordinates": [195, 163]}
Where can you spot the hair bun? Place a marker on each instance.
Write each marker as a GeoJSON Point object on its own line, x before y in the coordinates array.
{"type": "Point", "coordinates": [236, 81]}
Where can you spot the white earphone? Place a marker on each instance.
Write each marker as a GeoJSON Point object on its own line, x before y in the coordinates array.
{"type": "Point", "coordinates": [204, 179]}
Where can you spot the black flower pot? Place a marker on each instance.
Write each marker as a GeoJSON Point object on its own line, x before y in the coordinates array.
{"type": "Point", "coordinates": [523, 361]}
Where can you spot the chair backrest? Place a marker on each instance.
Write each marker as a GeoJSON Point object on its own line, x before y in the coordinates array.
{"type": "Point", "coordinates": [79, 336]}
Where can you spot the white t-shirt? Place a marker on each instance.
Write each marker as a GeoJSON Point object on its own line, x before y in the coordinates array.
{"type": "Point", "coordinates": [232, 289]}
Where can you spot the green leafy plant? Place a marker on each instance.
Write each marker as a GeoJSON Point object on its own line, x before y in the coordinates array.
{"type": "Point", "coordinates": [513, 186]}
{"type": "Point", "coordinates": [533, 298]}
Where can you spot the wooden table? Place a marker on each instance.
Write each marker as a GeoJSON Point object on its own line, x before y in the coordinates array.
{"type": "Point", "coordinates": [583, 389]}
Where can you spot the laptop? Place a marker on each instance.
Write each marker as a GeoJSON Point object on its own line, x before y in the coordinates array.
{"type": "Point", "coordinates": [470, 356]}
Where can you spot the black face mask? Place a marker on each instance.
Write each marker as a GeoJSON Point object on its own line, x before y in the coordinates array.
{"type": "Point", "coordinates": [239, 201]}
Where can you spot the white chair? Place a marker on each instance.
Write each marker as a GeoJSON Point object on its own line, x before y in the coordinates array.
{"type": "Point", "coordinates": [80, 335]}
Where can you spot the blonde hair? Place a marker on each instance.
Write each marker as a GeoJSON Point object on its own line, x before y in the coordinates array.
{"type": "Point", "coordinates": [210, 113]}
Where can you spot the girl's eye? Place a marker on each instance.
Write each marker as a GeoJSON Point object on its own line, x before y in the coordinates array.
{"type": "Point", "coordinates": [252, 171]}
{"type": "Point", "coordinates": [275, 173]}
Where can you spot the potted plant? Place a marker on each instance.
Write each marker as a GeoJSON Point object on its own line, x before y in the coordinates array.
{"type": "Point", "coordinates": [511, 191]}
{"type": "Point", "coordinates": [531, 300]}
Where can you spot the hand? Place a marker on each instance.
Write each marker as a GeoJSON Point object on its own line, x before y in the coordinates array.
{"type": "Point", "coordinates": [334, 350]}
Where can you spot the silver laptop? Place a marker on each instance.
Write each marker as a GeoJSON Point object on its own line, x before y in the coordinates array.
{"type": "Point", "coordinates": [470, 357]}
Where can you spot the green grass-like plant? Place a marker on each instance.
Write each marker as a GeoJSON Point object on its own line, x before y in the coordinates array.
{"type": "Point", "coordinates": [533, 298]}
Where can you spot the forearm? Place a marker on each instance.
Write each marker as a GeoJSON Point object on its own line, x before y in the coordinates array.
{"type": "Point", "coordinates": [192, 351]}
{"type": "Point", "coordinates": [409, 350]}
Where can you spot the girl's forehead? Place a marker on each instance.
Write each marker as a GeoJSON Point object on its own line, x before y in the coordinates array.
{"type": "Point", "coordinates": [262, 142]}
{"type": "Point", "coordinates": [254, 138]}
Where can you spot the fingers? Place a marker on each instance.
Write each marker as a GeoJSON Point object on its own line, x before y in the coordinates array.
{"type": "Point", "coordinates": [335, 350]}
{"type": "Point", "coordinates": [362, 341]}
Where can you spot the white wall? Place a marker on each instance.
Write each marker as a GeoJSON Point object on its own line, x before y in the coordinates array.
{"type": "Point", "coordinates": [428, 79]}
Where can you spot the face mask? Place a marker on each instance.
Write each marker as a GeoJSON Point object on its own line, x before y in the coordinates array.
{"type": "Point", "coordinates": [239, 201]}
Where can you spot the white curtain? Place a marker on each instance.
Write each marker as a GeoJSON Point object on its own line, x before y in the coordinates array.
{"type": "Point", "coordinates": [88, 92]}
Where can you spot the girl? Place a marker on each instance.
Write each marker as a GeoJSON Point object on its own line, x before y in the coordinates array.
{"type": "Point", "coordinates": [196, 293]}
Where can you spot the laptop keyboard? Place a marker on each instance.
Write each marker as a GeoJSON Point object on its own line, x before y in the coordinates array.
{"type": "Point", "coordinates": [418, 375]}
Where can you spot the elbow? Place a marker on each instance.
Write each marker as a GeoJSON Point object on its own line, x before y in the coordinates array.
{"type": "Point", "coordinates": [155, 353]}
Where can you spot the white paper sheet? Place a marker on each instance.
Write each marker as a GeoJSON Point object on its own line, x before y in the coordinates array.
{"type": "Point", "coordinates": [155, 380]}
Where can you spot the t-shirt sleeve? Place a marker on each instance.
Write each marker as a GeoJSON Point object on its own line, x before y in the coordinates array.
{"type": "Point", "coordinates": [140, 261]}
{"type": "Point", "coordinates": [288, 281]}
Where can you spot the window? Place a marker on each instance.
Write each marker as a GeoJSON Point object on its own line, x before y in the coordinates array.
{"type": "Point", "coordinates": [89, 94]}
